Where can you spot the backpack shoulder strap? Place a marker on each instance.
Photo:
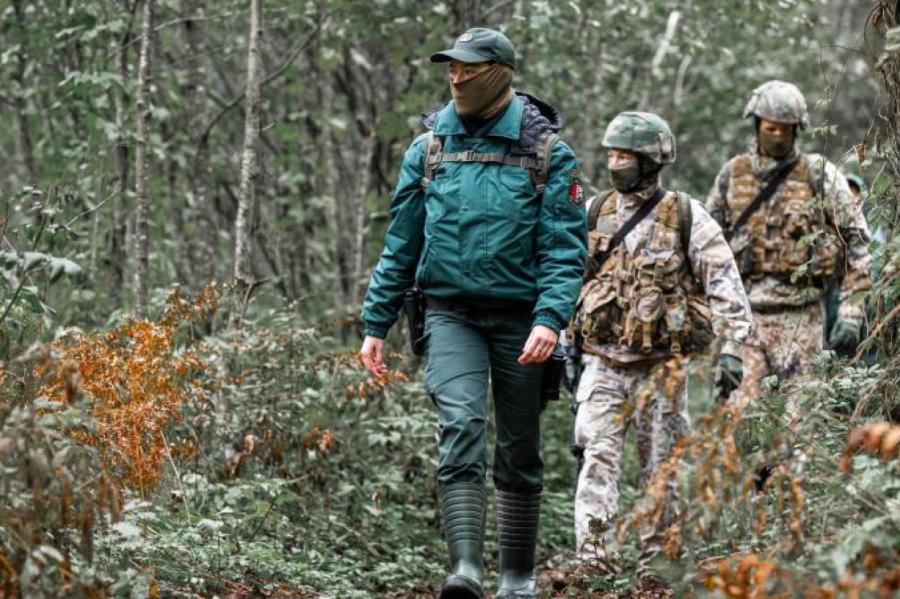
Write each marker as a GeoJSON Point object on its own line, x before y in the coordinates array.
{"type": "Point", "coordinates": [543, 148]}
{"type": "Point", "coordinates": [685, 220]}
{"type": "Point", "coordinates": [596, 206]}
{"type": "Point", "coordinates": [685, 224]}
{"type": "Point", "coordinates": [433, 147]}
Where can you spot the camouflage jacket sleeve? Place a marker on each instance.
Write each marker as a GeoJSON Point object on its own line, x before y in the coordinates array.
{"type": "Point", "coordinates": [716, 201]}
{"type": "Point", "coordinates": [842, 209]}
{"type": "Point", "coordinates": [713, 266]}
{"type": "Point", "coordinates": [403, 242]}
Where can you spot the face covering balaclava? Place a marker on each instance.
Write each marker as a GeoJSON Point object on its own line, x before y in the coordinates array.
{"type": "Point", "coordinates": [485, 94]}
{"type": "Point", "coordinates": [634, 176]}
{"type": "Point", "coordinates": [776, 146]}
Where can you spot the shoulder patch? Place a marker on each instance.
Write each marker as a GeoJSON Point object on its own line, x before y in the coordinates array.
{"type": "Point", "coordinates": [576, 188]}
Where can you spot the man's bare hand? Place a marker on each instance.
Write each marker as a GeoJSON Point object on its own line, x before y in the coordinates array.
{"type": "Point", "coordinates": [372, 353]}
{"type": "Point", "coordinates": [540, 345]}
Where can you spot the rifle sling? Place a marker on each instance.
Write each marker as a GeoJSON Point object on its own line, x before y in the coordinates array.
{"type": "Point", "coordinates": [595, 263]}
{"type": "Point", "coordinates": [765, 193]}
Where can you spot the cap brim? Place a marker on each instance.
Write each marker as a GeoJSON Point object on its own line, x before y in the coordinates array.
{"type": "Point", "coordinates": [460, 55]}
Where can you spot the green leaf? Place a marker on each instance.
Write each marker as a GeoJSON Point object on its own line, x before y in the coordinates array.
{"type": "Point", "coordinates": [29, 296]}
{"type": "Point", "coordinates": [34, 259]}
{"type": "Point", "coordinates": [8, 260]}
{"type": "Point", "coordinates": [61, 266]}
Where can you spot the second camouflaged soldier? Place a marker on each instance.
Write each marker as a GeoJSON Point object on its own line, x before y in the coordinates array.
{"type": "Point", "coordinates": [649, 298]}
{"type": "Point", "coordinates": [793, 224]}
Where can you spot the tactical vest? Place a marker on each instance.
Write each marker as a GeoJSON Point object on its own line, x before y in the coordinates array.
{"type": "Point", "coordinates": [649, 300]}
{"type": "Point", "coordinates": [538, 165]}
{"type": "Point", "coordinates": [790, 230]}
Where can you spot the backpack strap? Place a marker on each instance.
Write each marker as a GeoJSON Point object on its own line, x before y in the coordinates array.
{"type": "Point", "coordinates": [685, 224]}
{"type": "Point", "coordinates": [543, 148]}
{"type": "Point", "coordinates": [596, 206]}
{"type": "Point", "coordinates": [539, 165]}
{"type": "Point", "coordinates": [685, 220]}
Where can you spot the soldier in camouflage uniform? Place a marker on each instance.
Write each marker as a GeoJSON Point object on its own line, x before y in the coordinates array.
{"type": "Point", "coordinates": [810, 231]}
{"type": "Point", "coordinates": [646, 305]}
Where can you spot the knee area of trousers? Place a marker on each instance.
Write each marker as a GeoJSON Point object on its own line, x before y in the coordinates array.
{"type": "Point", "coordinates": [461, 429]}
{"type": "Point", "coordinates": [523, 482]}
{"type": "Point", "coordinates": [520, 488]}
{"type": "Point", "coordinates": [465, 472]}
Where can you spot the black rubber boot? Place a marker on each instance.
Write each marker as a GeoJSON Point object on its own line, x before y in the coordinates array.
{"type": "Point", "coordinates": [463, 506]}
{"type": "Point", "coordinates": [517, 518]}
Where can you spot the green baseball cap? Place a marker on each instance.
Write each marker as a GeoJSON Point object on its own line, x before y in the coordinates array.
{"type": "Point", "coordinates": [480, 45]}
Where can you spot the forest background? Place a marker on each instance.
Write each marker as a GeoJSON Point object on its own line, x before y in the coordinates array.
{"type": "Point", "coordinates": [193, 194]}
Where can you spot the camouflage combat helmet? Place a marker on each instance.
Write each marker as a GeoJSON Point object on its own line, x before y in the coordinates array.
{"type": "Point", "coordinates": [643, 133]}
{"type": "Point", "coordinates": [778, 101]}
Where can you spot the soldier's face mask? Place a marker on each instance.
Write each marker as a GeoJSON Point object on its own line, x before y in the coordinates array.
{"type": "Point", "coordinates": [632, 176]}
{"type": "Point", "coordinates": [626, 177]}
{"type": "Point", "coordinates": [485, 94]}
{"type": "Point", "coordinates": [776, 139]}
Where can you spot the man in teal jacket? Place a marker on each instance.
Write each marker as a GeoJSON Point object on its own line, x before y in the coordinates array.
{"type": "Point", "coordinates": [488, 220]}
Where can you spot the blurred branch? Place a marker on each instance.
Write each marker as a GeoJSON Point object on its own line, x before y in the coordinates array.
{"type": "Point", "coordinates": [292, 56]}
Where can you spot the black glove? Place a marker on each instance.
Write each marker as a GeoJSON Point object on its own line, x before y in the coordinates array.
{"type": "Point", "coordinates": [729, 374]}
{"type": "Point", "coordinates": [844, 334]}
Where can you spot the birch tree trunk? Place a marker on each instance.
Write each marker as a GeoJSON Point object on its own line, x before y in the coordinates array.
{"type": "Point", "coordinates": [142, 210]}
{"type": "Point", "coordinates": [243, 264]}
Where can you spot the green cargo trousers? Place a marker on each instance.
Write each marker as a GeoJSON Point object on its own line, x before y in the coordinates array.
{"type": "Point", "coordinates": [465, 346]}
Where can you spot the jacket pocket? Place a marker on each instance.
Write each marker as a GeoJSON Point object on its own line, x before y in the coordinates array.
{"type": "Point", "coordinates": [517, 180]}
{"type": "Point", "coordinates": [516, 194]}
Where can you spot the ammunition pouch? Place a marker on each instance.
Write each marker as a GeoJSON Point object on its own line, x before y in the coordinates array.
{"type": "Point", "coordinates": [599, 315]}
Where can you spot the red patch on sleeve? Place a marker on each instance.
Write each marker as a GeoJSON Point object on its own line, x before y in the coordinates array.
{"type": "Point", "coordinates": [576, 193]}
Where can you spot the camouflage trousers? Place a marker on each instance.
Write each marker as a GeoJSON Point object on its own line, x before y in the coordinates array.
{"type": "Point", "coordinates": [782, 343]}
{"type": "Point", "coordinates": [653, 400]}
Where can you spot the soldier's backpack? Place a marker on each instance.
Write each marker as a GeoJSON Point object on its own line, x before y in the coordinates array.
{"type": "Point", "coordinates": [538, 165]}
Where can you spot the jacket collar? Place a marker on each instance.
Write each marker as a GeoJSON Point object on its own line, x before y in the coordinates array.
{"type": "Point", "coordinates": [509, 126]}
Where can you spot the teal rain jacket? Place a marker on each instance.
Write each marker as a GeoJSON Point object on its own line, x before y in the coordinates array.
{"type": "Point", "coordinates": [480, 231]}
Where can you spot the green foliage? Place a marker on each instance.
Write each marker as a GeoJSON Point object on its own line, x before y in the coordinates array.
{"type": "Point", "coordinates": [300, 475]}
{"type": "Point", "coordinates": [28, 276]}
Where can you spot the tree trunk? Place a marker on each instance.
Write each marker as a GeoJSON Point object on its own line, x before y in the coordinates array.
{"type": "Point", "coordinates": [243, 246]}
{"type": "Point", "coordinates": [184, 265]}
{"type": "Point", "coordinates": [142, 211]}
{"type": "Point", "coordinates": [117, 251]}
{"type": "Point", "coordinates": [206, 235]}
{"type": "Point", "coordinates": [25, 147]}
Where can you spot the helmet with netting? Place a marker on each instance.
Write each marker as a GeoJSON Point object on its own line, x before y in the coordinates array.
{"type": "Point", "coordinates": [643, 133]}
{"type": "Point", "coordinates": [778, 101]}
